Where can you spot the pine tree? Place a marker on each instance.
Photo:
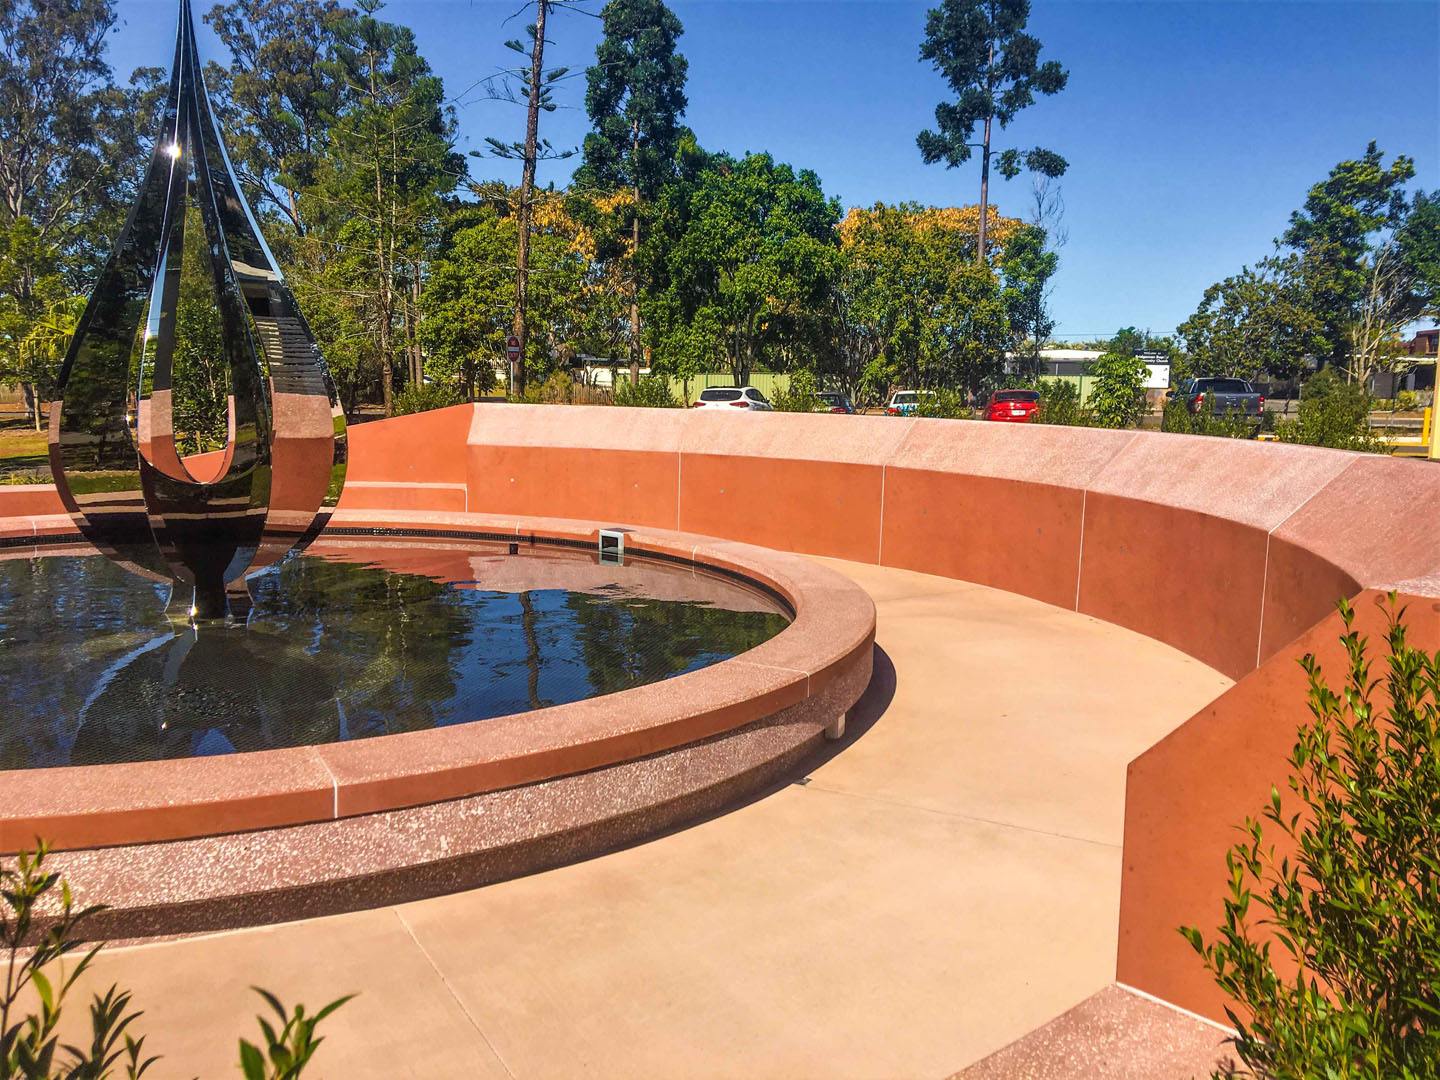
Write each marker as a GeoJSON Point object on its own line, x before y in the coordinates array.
{"type": "Point", "coordinates": [537, 83]}
{"type": "Point", "coordinates": [635, 98]}
{"type": "Point", "coordinates": [982, 50]}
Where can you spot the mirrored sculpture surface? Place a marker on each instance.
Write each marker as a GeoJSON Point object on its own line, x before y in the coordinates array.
{"type": "Point", "coordinates": [207, 519]}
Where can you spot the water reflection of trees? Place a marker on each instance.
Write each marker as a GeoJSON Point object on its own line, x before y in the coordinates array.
{"type": "Point", "coordinates": [629, 642]}
{"type": "Point", "coordinates": [95, 673]}
{"type": "Point", "coordinates": [390, 642]}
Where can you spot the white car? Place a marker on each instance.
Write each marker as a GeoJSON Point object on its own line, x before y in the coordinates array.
{"type": "Point", "coordinates": [908, 402]}
{"type": "Point", "coordinates": [732, 397]}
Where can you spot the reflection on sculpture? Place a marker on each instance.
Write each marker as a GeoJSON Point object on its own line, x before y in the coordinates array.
{"type": "Point", "coordinates": [204, 521]}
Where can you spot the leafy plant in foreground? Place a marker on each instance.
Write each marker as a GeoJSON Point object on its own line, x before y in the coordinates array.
{"type": "Point", "coordinates": [288, 1048]}
{"type": "Point", "coordinates": [1330, 946]}
{"type": "Point", "coordinates": [39, 928]}
{"type": "Point", "coordinates": [30, 1047]}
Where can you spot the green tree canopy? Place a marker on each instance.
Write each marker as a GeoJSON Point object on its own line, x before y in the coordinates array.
{"type": "Point", "coordinates": [744, 256]}
{"type": "Point", "coordinates": [1261, 321]}
{"type": "Point", "coordinates": [635, 97]}
{"type": "Point", "coordinates": [915, 303]}
{"type": "Point", "coordinates": [1028, 266]}
{"type": "Point", "coordinates": [1419, 242]}
{"type": "Point", "coordinates": [71, 140]}
{"type": "Point", "coordinates": [466, 306]}
{"type": "Point", "coordinates": [38, 312]}
{"type": "Point", "coordinates": [71, 145]}
{"type": "Point", "coordinates": [278, 94]}
{"type": "Point", "coordinates": [1346, 219]}
{"type": "Point", "coordinates": [379, 191]}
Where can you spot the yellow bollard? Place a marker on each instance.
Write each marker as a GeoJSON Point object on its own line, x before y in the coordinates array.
{"type": "Point", "coordinates": [1430, 433]}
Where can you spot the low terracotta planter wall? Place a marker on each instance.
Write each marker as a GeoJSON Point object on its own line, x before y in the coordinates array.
{"type": "Point", "coordinates": [1229, 550]}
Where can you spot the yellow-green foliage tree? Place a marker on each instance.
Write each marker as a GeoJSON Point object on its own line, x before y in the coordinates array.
{"type": "Point", "coordinates": [912, 305]}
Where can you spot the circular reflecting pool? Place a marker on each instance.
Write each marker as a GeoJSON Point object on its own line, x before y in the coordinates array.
{"type": "Point", "coordinates": [348, 641]}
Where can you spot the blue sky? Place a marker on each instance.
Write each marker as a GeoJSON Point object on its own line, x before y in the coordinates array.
{"type": "Point", "coordinates": [1192, 129]}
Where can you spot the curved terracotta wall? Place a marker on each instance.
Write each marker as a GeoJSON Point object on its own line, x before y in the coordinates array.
{"type": "Point", "coordinates": [1228, 550]}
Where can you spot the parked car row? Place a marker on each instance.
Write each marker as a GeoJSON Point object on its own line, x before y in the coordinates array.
{"type": "Point", "coordinates": [1220, 396]}
{"type": "Point", "coordinates": [748, 397]}
{"type": "Point", "coordinates": [1005, 406]}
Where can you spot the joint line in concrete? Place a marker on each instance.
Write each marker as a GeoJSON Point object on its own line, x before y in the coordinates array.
{"type": "Point", "coordinates": [453, 995]}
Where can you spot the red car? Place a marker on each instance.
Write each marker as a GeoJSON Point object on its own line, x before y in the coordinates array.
{"type": "Point", "coordinates": [1013, 406]}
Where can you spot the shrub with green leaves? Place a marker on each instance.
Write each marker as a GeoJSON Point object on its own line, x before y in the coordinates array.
{"type": "Point", "coordinates": [946, 404]}
{"type": "Point", "coordinates": [1330, 945]}
{"type": "Point", "coordinates": [652, 392]}
{"type": "Point", "coordinates": [557, 389]}
{"type": "Point", "coordinates": [422, 397]}
{"type": "Point", "coordinates": [288, 1047]}
{"type": "Point", "coordinates": [39, 931]}
{"type": "Point", "coordinates": [1332, 413]}
{"type": "Point", "coordinates": [1117, 399]}
{"type": "Point", "coordinates": [1178, 418]}
{"type": "Point", "coordinates": [799, 395]}
{"type": "Point", "coordinates": [1060, 404]}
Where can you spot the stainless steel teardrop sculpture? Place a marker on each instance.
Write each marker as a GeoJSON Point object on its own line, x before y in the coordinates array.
{"type": "Point", "coordinates": [204, 521]}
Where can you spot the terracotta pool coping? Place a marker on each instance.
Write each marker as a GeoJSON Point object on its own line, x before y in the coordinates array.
{"type": "Point", "coordinates": [146, 802]}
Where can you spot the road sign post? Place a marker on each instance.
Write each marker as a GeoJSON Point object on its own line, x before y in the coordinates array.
{"type": "Point", "coordinates": [512, 354]}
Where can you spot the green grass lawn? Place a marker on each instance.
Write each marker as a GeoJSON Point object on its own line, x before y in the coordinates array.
{"type": "Point", "coordinates": [24, 452]}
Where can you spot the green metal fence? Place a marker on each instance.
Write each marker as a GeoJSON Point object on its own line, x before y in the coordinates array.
{"type": "Point", "coordinates": [768, 383]}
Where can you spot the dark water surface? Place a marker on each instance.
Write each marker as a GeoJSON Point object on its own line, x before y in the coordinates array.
{"type": "Point", "coordinates": [346, 642]}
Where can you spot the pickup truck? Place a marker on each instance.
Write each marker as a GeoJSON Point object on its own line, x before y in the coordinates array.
{"type": "Point", "coordinates": [1220, 396]}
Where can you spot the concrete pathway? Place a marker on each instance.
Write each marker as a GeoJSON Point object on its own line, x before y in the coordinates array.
{"type": "Point", "coordinates": [944, 881]}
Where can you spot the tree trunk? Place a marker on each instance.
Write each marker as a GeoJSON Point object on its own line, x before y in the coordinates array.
{"type": "Point", "coordinates": [634, 257]}
{"type": "Point", "coordinates": [412, 319]}
{"type": "Point", "coordinates": [527, 190]}
{"type": "Point", "coordinates": [532, 650]}
{"type": "Point", "coordinates": [985, 170]}
{"type": "Point", "coordinates": [382, 268]}
{"type": "Point", "coordinates": [387, 376]}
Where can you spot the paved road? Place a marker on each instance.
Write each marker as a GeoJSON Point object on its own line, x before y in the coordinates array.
{"type": "Point", "coordinates": [945, 882]}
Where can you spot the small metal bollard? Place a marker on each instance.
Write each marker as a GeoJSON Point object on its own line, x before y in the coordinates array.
{"type": "Point", "coordinates": [612, 547]}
